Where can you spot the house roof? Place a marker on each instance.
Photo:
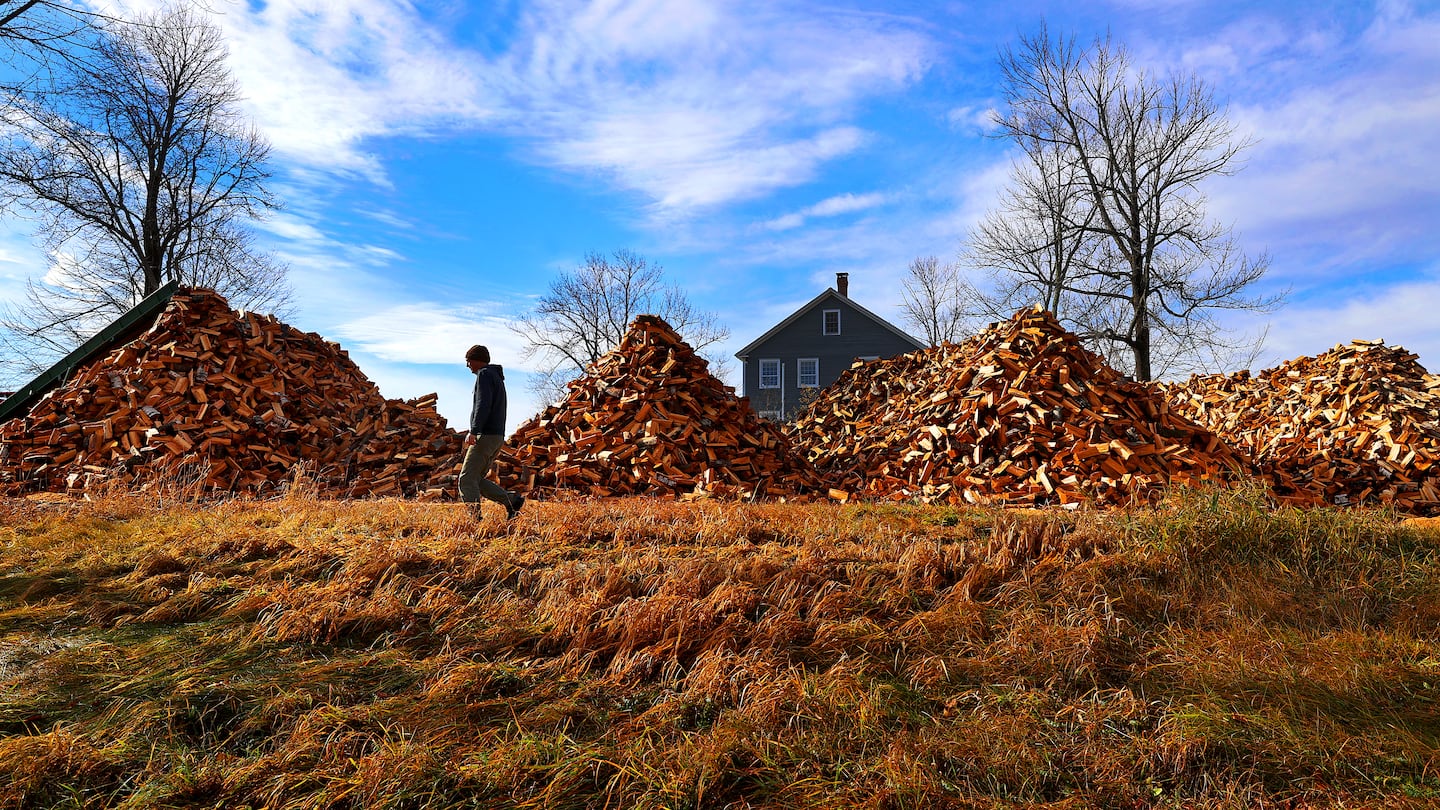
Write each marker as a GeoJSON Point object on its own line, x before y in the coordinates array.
{"type": "Point", "coordinates": [815, 302]}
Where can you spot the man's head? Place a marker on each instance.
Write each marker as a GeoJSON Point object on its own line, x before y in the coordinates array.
{"type": "Point", "coordinates": [477, 357]}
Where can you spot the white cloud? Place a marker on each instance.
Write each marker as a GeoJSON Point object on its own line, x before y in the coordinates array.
{"type": "Point", "coordinates": [388, 218]}
{"type": "Point", "coordinates": [1340, 172]}
{"type": "Point", "coordinates": [16, 256]}
{"type": "Point", "coordinates": [1345, 126]}
{"type": "Point", "coordinates": [973, 120]}
{"type": "Point", "coordinates": [786, 222]}
{"type": "Point", "coordinates": [1224, 56]}
{"type": "Point", "coordinates": [829, 207]}
{"type": "Point", "coordinates": [705, 103]}
{"type": "Point", "coordinates": [1329, 150]}
{"type": "Point", "coordinates": [428, 332]}
{"type": "Point", "coordinates": [291, 227]}
{"type": "Point", "coordinates": [322, 77]}
{"type": "Point", "coordinates": [845, 203]}
{"type": "Point", "coordinates": [416, 348]}
{"type": "Point", "coordinates": [691, 103]}
{"type": "Point", "coordinates": [692, 162]}
{"type": "Point", "coordinates": [19, 258]}
{"type": "Point", "coordinates": [1401, 314]}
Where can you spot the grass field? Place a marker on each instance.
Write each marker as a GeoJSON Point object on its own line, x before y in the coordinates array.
{"type": "Point", "coordinates": [1208, 652]}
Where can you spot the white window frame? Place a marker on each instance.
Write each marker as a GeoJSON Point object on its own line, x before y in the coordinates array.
{"type": "Point", "coordinates": [813, 377]}
{"type": "Point", "coordinates": [825, 322]}
{"type": "Point", "coordinates": [769, 416]}
{"type": "Point", "coordinates": [772, 363]}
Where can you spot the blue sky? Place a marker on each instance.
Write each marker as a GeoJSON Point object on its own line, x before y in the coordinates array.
{"type": "Point", "coordinates": [441, 162]}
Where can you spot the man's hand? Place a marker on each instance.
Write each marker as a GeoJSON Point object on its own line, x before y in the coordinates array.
{"type": "Point", "coordinates": [469, 439]}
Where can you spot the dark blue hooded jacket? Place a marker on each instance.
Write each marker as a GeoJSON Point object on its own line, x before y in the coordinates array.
{"type": "Point", "coordinates": [487, 414]}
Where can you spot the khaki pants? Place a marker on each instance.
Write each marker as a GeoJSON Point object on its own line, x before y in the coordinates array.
{"type": "Point", "coordinates": [476, 466]}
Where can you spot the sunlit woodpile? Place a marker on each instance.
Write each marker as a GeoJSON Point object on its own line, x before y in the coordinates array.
{"type": "Point", "coordinates": [1019, 414]}
{"type": "Point", "coordinates": [1359, 424]}
{"type": "Point", "coordinates": [649, 418]}
{"type": "Point", "coordinates": [226, 401]}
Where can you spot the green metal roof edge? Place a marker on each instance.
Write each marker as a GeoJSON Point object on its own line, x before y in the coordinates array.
{"type": "Point", "coordinates": [20, 402]}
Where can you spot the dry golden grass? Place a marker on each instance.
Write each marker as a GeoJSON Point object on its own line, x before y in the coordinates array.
{"type": "Point", "coordinates": [1209, 652]}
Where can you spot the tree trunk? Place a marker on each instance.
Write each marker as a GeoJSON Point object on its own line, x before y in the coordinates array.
{"type": "Point", "coordinates": [1141, 335]}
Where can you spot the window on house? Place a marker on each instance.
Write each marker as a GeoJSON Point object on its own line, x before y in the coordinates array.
{"type": "Point", "coordinates": [832, 322]}
{"type": "Point", "coordinates": [769, 373]}
{"type": "Point", "coordinates": [808, 375]}
{"type": "Point", "coordinates": [770, 416]}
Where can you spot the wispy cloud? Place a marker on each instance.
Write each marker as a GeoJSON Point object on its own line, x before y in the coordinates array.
{"type": "Point", "coordinates": [1344, 129]}
{"type": "Point", "coordinates": [431, 333]}
{"type": "Point", "coordinates": [829, 207]}
{"type": "Point", "coordinates": [1400, 314]}
{"type": "Point", "coordinates": [434, 336]}
{"type": "Point", "coordinates": [703, 103]}
{"type": "Point", "coordinates": [973, 119]}
{"type": "Point", "coordinates": [688, 159]}
{"type": "Point", "coordinates": [691, 103]}
{"type": "Point", "coordinates": [323, 77]}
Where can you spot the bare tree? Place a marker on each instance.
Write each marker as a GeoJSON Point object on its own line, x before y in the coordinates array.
{"type": "Point", "coordinates": [1105, 220]}
{"type": "Point", "coordinates": [931, 296]}
{"type": "Point", "coordinates": [139, 169]}
{"type": "Point", "coordinates": [587, 312]}
{"type": "Point", "coordinates": [1035, 244]}
{"type": "Point", "coordinates": [34, 32]}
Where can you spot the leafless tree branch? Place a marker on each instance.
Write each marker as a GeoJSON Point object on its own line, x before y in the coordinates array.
{"type": "Point", "coordinates": [1103, 221]}
{"type": "Point", "coordinates": [138, 168]}
{"type": "Point", "coordinates": [587, 311]}
{"type": "Point", "coordinates": [931, 297]}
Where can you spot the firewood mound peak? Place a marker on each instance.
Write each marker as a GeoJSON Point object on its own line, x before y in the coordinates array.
{"type": "Point", "coordinates": [1358, 424]}
{"type": "Point", "coordinates": [1020, 414]}
{"type": "Point", "coordinates": [226, 402]}
{"type": "Point", "coordinates": [648, 418]}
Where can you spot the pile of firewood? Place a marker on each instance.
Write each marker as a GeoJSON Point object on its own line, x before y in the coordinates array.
{"type": "Point", "coordinates": [1019, 414]}
{"type": "Point", "coordinates": [649, 418]}
{"type": "Point", "coordinates": [1359, 424]}
{"type": "Point", "coordinates": [231, 402]}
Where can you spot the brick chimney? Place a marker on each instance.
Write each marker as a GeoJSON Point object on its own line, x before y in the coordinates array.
{"type": "Point", "coordinates": [842, 284]}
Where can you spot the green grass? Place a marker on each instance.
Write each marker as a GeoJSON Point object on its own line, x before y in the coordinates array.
{"type": "Point", "coordinates": [1212, 651]}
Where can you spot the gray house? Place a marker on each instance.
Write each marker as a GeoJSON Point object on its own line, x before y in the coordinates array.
{"type": "Point", "coordinates": [787, 366]}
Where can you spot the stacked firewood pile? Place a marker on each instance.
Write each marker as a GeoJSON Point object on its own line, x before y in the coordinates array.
{"type": "Point", "coordinates": [231, 402]}
{"type": "Point", "coordinates": [1358, 424]}
{"type": "Point", "coordinates": [649, 418]}
{"type": "Point", "coordinates": [1019, 414]}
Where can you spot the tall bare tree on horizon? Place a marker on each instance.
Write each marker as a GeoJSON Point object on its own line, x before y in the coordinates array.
{"type": "Point", "coordinates": [139, 168]}
{"type": "Point", "coordinates": [588, 310]}
{"type": "Point", "coordinates": [1104, 220]}
{"type": "Point", "coordinates": [931, 297]}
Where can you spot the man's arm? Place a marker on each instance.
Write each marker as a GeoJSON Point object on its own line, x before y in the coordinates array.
{"type": "Point", "coordinates": [484, 402]}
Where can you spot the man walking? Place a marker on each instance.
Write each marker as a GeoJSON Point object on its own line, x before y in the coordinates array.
{"type": "Point", "coordinates": [487, 434]}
